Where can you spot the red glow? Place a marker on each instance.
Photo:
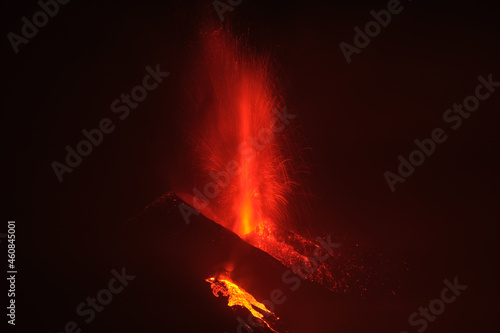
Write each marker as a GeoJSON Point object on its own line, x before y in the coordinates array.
{"type": "Point", "coordinates": [237, 128]}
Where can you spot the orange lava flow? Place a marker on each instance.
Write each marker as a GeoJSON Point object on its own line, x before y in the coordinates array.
{"type": "Point", "coordinates": [239, 297]}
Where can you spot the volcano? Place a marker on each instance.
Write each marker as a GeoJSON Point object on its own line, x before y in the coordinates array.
{"type": "Point", "coordinates": [225, 256]}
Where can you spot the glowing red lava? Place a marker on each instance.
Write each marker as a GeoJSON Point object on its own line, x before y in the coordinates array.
{"type": "Point", "coordinates": [241, 127]}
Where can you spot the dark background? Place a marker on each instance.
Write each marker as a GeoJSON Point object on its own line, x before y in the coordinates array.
{"type": "Point", "coordinates": [357, 118]}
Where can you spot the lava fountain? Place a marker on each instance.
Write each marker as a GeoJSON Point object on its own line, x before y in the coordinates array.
{"type": "Point", "coordinates": [240, 144]}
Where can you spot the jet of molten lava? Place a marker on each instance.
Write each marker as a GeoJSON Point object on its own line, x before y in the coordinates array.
{"type": "Point", "coordinates": [240, 125]}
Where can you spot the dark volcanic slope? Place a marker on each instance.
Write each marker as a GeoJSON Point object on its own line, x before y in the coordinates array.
{"type": "Point", "coordinates": [171, 260]}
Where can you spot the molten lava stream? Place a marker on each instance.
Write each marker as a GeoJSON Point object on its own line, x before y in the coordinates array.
{"type": "Point", "coordinates": [237, 296]}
